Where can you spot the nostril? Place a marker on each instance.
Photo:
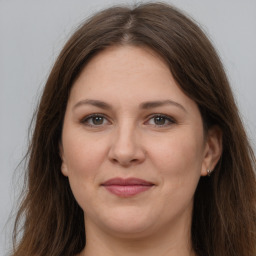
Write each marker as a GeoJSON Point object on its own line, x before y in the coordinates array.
{"type": "Point", "coordinates": [114, 160]}
{"type": "Point", "coordinates": [124, 161]}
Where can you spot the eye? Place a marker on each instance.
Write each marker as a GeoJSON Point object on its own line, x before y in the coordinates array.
{"type": "Point", "coordinates": [95, 120]}
{"type": "Point", "coordinates": [161, 120]}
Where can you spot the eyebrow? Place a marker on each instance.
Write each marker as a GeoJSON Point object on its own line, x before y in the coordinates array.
{"type": "Point", "coordinates": [154, 104]}
{"type": "Point", "coordinates": [96, 103]}
{"type": "Point", "coordinates": [143, 105]}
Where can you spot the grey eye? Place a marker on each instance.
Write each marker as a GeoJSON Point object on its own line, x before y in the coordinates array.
{"type": "Point", "coordinates": [160, 120]}
{"type": "Point", "coordinates": [97, 120]}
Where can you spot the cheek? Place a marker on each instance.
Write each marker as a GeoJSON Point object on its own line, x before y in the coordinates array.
{"type": "Point", "coordinates": [179, 160]}
{"type": "Point", "coordinates": [82, 154]}
{"type": "Point", "coordinates": [83, 158]}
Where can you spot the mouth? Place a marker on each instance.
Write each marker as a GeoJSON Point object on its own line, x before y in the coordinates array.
{"type": "Point", "coordinates": [127, 187]}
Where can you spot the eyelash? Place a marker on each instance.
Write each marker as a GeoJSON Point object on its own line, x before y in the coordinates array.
{"type": "Point", "coordinates": [86, 119]}
{"type": "Point", "coordinates": [167, 118]}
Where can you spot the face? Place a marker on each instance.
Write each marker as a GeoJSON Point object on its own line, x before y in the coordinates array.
{"type": "Point", "coordinates": [133, 146]}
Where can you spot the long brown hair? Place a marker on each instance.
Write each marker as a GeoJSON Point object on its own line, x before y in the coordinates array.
{"type": "Point", "coordinates": [224, 216]}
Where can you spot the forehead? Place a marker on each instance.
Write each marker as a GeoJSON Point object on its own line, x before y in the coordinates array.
{"type": "Point", "coordinates": [118, 67]}
{"type": "Point", "coordinates": [127, 73]}
{"type": "Point", "coordinates": [127, 55]}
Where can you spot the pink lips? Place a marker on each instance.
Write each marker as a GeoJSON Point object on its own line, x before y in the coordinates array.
{"type": "Point", "coordinates": [127, 187]}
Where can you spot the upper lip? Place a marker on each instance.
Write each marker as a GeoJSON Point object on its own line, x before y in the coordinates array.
{"type": "Point", "coordinates": [127, 182]}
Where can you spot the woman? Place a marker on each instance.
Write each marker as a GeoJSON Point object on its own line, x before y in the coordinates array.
{"type": "Point", "coordinates": [138, 148]}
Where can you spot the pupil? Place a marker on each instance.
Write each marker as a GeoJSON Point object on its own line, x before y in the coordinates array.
{"type": "Point", "coordinates": [97, 120]}
{"type": "Point", "coordinates": [159, 120]}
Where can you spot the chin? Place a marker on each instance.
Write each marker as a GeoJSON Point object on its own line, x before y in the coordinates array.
{"type": "Point", "coordinates": [127, 223]}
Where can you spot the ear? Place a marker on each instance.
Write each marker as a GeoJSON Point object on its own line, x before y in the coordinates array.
{"type": "Point", "coordinates": [212, 150]}
{"type": "Point", "coordinates": [64, 168]}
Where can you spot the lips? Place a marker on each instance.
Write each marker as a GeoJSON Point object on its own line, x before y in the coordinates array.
{"type": "Point", "coordinates": [127, 187]}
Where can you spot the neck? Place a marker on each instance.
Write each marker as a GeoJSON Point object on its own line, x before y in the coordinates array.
{"type": "Point", "coordinates": [168, 242]}
{"type": "Point", "coordinates": [135, 248]}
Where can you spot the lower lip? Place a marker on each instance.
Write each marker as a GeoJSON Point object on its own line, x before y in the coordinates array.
{"type": "Point", "coordinates": [128, 190]}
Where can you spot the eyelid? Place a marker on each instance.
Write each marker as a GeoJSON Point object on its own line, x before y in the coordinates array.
{"type": "Point", "coordinates": [170, 119]}
{"type": "Point", "coordinates": [85, 119]}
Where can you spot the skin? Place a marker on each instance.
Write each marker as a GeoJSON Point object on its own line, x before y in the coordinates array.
{"type": "Point", "coordinates": [127, 140]}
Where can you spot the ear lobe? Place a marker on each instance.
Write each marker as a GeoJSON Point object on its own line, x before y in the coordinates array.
{"type": "Point", "coordinates": [213, 149]}
{"type": "Point", "coordinates": [64, 168]}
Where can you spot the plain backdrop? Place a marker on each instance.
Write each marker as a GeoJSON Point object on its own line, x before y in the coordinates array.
{"type": "Point", "coordinates": [31, 36]}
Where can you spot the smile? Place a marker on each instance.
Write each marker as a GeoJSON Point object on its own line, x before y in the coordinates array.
{"type": "Point", "coordinates": [127, 187]}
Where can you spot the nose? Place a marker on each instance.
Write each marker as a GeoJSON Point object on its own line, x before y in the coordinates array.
{"type": "Point", "coordinates": [126, 147]}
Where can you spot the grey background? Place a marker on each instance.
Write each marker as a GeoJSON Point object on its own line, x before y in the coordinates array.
{"type": "Point", "coordinates": [31, 36]}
